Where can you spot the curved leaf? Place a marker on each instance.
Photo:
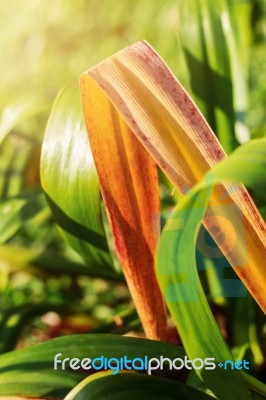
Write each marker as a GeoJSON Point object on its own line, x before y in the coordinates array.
{"type": "Point", "coordinates": [37, 362]}
{"type": "Point", "coordinates": [70, 182]}
{"type": "Point", "coordinates": [178, 277]}
{"type": "Point", "coordinates": [129, 185]}
{"type": "Point", "coordinates": [157, 109]}
{"type": "Point", "coordinates": [133, 386]}
{"type": "Point", "coordinates": [252, 155]}
{"type": "Point", "coordinates": [16, 113]}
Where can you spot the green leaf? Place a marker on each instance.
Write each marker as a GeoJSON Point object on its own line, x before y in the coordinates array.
{"type": "Point", "coordinates": [19, 164]}
{"type": "Point", "coordinates": [70, 181]}
{"type": "Point", "coordinates": [16, 211]}
{"type": "Point", "coordinates": [132, 386]}
{"type": "Point", "coordinates": [252, 156]}
{"type": "Point", "coordinates": [30, 371]}
{"type": "Point", "coordinates": [177, 270]}
{"type": "Point", "coordinates": [18, 112]}
{"type": "Point", "coordinates": [14, 319]}
{"type": "Point", "coordinates": [47, 262]}
{"type": "Point", "coordinates": [14, 258]}
{"type": "Point", "coordinates": [214, 61]}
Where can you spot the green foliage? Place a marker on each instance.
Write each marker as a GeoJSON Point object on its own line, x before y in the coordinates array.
{"type": "Point", "coordinates": [103, 386]}
{"type": "Point", "coordinates": [217, 72]}
{"type": "Point", "coordinates": [39, 377]}
{"type": "Point", "coordinates": [76, 201]}
{"type": "Point", "coordinates": [177, 270]}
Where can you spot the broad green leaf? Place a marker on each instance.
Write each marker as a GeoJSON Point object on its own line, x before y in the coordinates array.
{"type": "Point", "coordinates": [185, 297]}
{"type": "Point", "coordinates": [257, 388]}
{"type": "Point", "coordinates": [178, 277]}
{"type": "Point", "coordinates": [70, 182]}
{"type": "Point", "coordinates": [143, 92]}
{"type": "Point", "coordinates": [133, 386]}
{"type": "Point", "coordinates": [37, 362]}
{"type": "Point", "coordinates": [251, 155]}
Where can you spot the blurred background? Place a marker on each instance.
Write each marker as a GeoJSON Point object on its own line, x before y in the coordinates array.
{"type": "Point", "coordinates": [46, 45]}
{"type": "Point", "coordinates": [215, 48]}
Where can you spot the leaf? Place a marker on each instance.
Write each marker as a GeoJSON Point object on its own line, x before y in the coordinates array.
{"type": "Point", "coordinates": [147, 96]}
{"type": "Point", "coordinates": [132, 386]}
{"type": "Point", "coordinates": [129, 185]}
{"type": "Point", "coordinates": [15, 258]}
{"type": "Point", "coordinates": [253, 156]}
{"type": "Point", "coordinates": [214, 61]}
{"type": "Point", "coordinates": [19, 164]}
{"type": "Point", "coordinates": [48, 263]}
{"type": "Point", "coordinates": [18, 112]}
{"type": "Point", "coordinates": [70, 182]}
{"type": "Point", "coordinates": [30, 371]}
{"type": "Point", "coordinates": [177, 271]}
{"type": "Point", "coordinates": [16, 211]}
{"type": "Point", "coordinates": [14, 319]}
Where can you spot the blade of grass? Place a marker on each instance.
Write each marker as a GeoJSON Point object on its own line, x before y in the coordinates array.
{"type": "Point", "coordinates": [214, 61]}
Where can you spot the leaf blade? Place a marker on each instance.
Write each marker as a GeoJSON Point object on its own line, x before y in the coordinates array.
{"type": "Point", "coordinates": [129, 185]}
{"type": "Point", "coordinates": [70, 182]}
{"type": "Point", "coordinates": [104, 386]}
{"type": "Point", "coordinates": [169, 125]}
{"type": "Point", "coordinates": [37, 361]}
{"type": "Point", "coordinates": [178, 276]}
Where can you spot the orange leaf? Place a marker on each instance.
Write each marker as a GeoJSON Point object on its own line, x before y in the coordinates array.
{"type": "Point", "coordinates": [135, 88]}
{"type": "Point", "coordinates": [129, 185]}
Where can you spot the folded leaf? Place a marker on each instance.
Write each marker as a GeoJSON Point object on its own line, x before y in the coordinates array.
{"type": "Point", "coordinates": [142, 93]}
